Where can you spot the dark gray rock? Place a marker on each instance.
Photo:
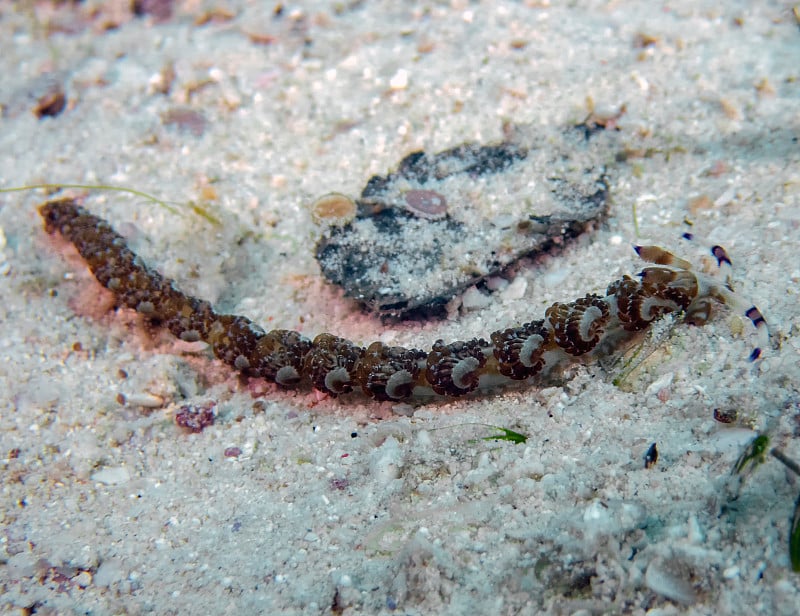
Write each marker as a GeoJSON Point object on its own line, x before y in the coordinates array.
{"type": "Point", "coordinates": [443, 222]}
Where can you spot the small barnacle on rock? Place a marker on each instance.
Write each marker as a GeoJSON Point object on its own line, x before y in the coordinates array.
{"type": "Point", "coordinates": [672, 579]}
{"type": "Point", "coordinates": [426, 203]}
{"type": "Point", "coordinates": [333, 209]}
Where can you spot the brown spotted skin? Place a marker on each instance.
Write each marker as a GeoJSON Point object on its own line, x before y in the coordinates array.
{"type": "Point", "coordinates": [337, 366]}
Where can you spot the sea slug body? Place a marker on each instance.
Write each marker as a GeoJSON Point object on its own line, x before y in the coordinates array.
{"type": "Point", "coordinates": [531, 352]}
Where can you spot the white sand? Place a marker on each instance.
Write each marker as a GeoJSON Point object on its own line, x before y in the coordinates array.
{"type": "Point", "coordinates": [111, 509]}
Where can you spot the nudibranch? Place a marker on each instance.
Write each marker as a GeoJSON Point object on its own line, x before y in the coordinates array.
{"type": "Point", "coordinates": [532, 352]}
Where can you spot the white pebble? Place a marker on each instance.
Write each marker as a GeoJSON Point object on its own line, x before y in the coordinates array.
{"type": "Point", "coordinates": [695, 535]}
{"type": "Point", "coordinates": [475, 300]}
{"type": "Point", "coordinates": [400, 80]}
{"type": "Point", "coordinates": [385, 461]}
{"type": "Point", "coordinates": [516, 290]}
{"type": "Point", "coordinates": [112, 475]}
{"type": "Point", "coordinates": [731, 572]}
{"type": "Point", "coordinates": [150, 401]}
{"type": "Point", "coordinates": [726, 197]}
{"type": "Point", "coordinates": [424, 438]}
{"type": "Point", "coordinates": [496, 283]}
{"type": "Point", "coordinates": [670, 586]}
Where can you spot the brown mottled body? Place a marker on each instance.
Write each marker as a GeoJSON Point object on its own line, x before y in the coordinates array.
{"type": "Point", "coordinates": [335, 365]}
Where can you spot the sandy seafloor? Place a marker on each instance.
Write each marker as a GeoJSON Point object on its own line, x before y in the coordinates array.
{"type": "Point", "coordinates": [347, 506]}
